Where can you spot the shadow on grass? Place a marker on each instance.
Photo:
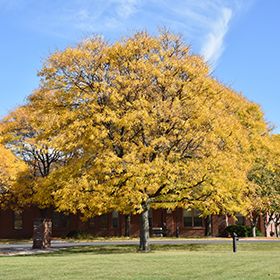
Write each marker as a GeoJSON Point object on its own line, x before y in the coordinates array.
{"type": "Point", "coordinates": [132, 249]}
{"type": "Point", "coordinates": [95, 250]}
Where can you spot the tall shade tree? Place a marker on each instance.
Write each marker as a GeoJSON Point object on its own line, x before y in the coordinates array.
{"type": "Point", "coordinates": [149, 127]}
{"type": "Point", "coordinates": [265, 176]}
{"type": "Point", "coordinates": [21, 135]}
{"type": "Point", "coordinates": [262, 150]}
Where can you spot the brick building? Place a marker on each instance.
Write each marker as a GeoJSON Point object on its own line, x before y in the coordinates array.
{"type": "Point", "coordinates": [20, 224]}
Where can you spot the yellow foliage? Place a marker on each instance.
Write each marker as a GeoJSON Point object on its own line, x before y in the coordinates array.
{"type": "Point", "coordinates": [10, 172]}
{"type": "Point", "coordinates": [21, 132]}
{"type": "Point", "coordinates": [144, 121]}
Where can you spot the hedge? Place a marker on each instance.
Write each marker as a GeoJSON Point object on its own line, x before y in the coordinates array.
{"type": "Point", "coordinates": [243, 231]}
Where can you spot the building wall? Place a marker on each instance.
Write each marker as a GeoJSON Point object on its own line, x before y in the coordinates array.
{"type": "Point", "coordinates": [7, 230]}
{"type": "Point", "coordinates": [163, 218]}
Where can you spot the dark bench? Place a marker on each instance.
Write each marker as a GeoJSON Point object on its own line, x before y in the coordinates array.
{"type": "Point", "coordinates": [159, 232]}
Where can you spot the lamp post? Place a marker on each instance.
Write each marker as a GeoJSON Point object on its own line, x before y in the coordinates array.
{"type": "Point", "coordinates": [234, 239]}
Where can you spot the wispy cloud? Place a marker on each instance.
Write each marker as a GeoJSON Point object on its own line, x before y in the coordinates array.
{"type": "Point", "coordinates": [204, 22]}
{"type": "Point", "coordinates": [62, 17]}
{"type": "Point", "coordinates": [127, 8]}
{"type": "Point", "coordinates": [213, 47]}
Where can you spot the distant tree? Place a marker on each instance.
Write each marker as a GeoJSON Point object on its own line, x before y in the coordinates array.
{"type": "Point", "coordinates": [148, 125]}
{"type": "Point", "coordinates": [20, 133]}
{"type": "Point", "coordinates": [265, 176]}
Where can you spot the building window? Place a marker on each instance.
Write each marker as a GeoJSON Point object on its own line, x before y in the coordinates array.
{"type": "Point", "coordinates": [103, 221]}
{"type": "Point", "coordinates": [191, 218]}
{"type": "Point", "coordinates": [115, 219]}
{"type": "Point", "coordinates": [18, 220]}
{"type": "Point", "coordinates": [91, 222]}
{"type": "Point", "coordinates": [60, 221]}
{"type": "Point", "coordinates": [240, 219]}
{"type": "Point", "coordinates": [150, 214]}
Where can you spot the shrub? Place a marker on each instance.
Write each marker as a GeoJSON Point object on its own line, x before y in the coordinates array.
{"type": "Point", "coordinates": [242, 231]}
{"type": "Point", "coordinates": [78, 234]}
{"type": "Point", "coordinates": [259, 233]}
{"type": "Point", "coordinates": [74, 233]}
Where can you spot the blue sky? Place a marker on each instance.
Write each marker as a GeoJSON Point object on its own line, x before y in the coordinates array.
{"type": "Point", "coordinates": [240, 37]}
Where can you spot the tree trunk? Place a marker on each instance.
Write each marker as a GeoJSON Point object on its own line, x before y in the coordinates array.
{"type": "Point", "coordinates": [253, 223]}
{"type": "Point", "coordinates": [253, 227]}
{"type": "Point", "coordinates": [42, 232]}
{"type": "Point", "coordinates": [267, 222]}
{"type": "Point", "coordinates": [144, 228]}
{"type": "Point", "coordinates": [177, 224]}
{"type": "Point", "coordinates": [208, 230]}
{"type": "Point", "coordinates": [266, 230]}
{"type": "Point", "coordinates": [276, 224]}
{"type": "Point", "coordinates": [127, 225]}
{"type": "Point", "coordinates": [277, 230]}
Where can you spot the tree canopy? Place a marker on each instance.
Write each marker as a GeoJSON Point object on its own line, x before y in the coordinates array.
{"type": "Point", "coordinates": [265, 177]}
{"type": "Point", "coordinates": [146, 124]}
{"type": "Point", "coordinates": [21, 135]}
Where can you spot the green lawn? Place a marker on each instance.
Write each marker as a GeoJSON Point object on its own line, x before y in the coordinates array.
{"type": "Point", "coordinates": [187, 261]}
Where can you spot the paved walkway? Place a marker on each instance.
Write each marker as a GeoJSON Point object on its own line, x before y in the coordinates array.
{"type": "Point", "coordinates": [12, 249]}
